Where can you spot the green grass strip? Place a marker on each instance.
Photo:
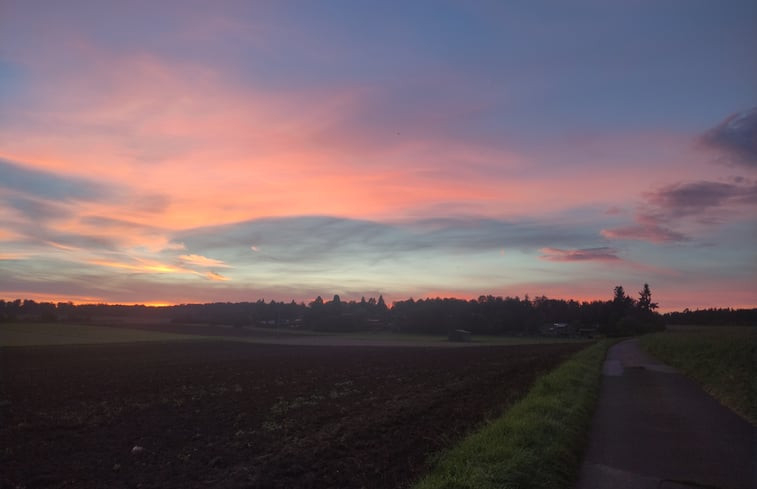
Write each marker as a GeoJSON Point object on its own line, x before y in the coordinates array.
{"type": "Point", "coordinates": [722, 360]}
{"type": "Point", "coordinates": [538, 442]}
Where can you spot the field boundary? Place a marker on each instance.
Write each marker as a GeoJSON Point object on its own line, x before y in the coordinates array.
{"type": "Point", "coordinates": [538, 442]}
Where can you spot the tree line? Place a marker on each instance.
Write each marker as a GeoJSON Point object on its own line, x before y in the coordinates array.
{"type": "Point", "coordinates": [622, 314]}
{"type": "Point", "coordinates": [713, 317]}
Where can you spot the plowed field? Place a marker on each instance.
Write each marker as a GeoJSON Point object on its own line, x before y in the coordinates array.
{"type": "Point", "coordinates": [225, 414]}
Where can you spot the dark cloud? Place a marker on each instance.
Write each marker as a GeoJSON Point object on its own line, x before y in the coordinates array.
{"type": "Point", "coordinates": [696, 198]}
{"type": "Point", "coordinates": [735, 138]}
{"type": "Point", "coordinates": [16, 179]}
{"type": "Point", "coordinates": [705, 202]}
{"type": "Point", "coordinates": [51, 186]}
{"type": "Point", "coordinates": [35, 229]}
{"type": "Point", "coordinates": [35, 209]}
{"type": "Point", "coordinates": [603, 253]}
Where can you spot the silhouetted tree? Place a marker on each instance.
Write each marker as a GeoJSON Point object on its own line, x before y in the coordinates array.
{"type": "Point", "coordinates": [619, 295]}
{"type": "Point", "coordinates": [645, 303]}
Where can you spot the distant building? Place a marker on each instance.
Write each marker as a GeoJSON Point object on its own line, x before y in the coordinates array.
{"type": "Point", "coordinates": [558, 329]}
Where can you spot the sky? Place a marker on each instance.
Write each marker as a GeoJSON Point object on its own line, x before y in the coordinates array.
{"type": "Point", "coordinates": [182, 152]}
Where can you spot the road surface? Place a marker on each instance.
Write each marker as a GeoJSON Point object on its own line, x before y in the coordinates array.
{"type": "Point", "coordinates": [656, 429]}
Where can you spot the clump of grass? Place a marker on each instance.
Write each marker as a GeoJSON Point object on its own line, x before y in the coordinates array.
{"type": "Point", "coordinates": [720, 359]}
{"type": "Point", "coordinates": [538, 442]}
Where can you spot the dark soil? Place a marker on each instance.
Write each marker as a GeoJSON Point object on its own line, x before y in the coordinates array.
{"type": "Point", "coordinates": [225, 414]}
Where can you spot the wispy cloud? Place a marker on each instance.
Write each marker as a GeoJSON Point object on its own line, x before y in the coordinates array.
{"type": "Point", "coordinates": [645, 229]}
{"type": "Point", "coordinates": [141, 265]}
{"type": "Point", "coordinates": [47, 193]}
{"type": "Point", "coordinates": [216, 277]}
{"type": "Point", "coordinates": [155, 267]}
{"type": "Point", "coordinates": [603, 253]}
{"type": "Point", "coordinates": [202, 261]}
{"type": "Point", "coordinates": [44, 207]}
{"type": "Point", "coordinates": [14, 256]}
{"type": "Point", "coordinates": [735, 138]}
{"type": "Point", "coordinates": [20, 179]}
{"type": "Point", "coordinates": [704, 202]}
{"type": "Point", "coordinates": [36, 209]}
{"type": "Point", "coordinates": [696, 198]}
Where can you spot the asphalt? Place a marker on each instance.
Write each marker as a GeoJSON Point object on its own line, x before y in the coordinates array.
{"type": "Point", "coordinates": [656, 429]}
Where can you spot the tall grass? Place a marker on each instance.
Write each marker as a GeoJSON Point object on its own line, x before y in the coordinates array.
{"type": "Point", "coordinates": [721, 359]}
{"type": "Point", "coordinates": [537, 443]}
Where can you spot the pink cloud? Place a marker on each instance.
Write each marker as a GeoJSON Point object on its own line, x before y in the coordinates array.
{"type": "Point", "coordinates": [579, 255]}
{"type": "Point", "coordinates": [202, 136]}
{"type": "Point", "coordinates": [151, 118]}
{"type": "Point", "coordinates": [644, 231]}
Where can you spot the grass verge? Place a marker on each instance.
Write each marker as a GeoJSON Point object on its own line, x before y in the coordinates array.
{"type": "Point", "coordinates": [538, 442]}
{"type": "Point", "coordinates": [720, 359]}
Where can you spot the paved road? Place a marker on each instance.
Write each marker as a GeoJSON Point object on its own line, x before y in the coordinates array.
{"type": "Point", "coordinates": [656, 429]}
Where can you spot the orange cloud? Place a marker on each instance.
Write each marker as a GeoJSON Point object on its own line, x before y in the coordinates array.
{"type": "Point", "coordinates": [140, 265]}
{"type": "Point", "coordinates": [202, 261]}
{"type": "Point", "coordinates": [8, 235]}
{"type": "Point", "coordinates": [14, 256]}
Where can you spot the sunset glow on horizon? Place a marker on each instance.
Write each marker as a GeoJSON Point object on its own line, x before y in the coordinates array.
{"type": "Point", "coordinates": [178, 152]}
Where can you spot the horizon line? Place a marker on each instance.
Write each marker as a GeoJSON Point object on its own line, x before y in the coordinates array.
{"type": "Point", "coordinates": [159, 305]}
